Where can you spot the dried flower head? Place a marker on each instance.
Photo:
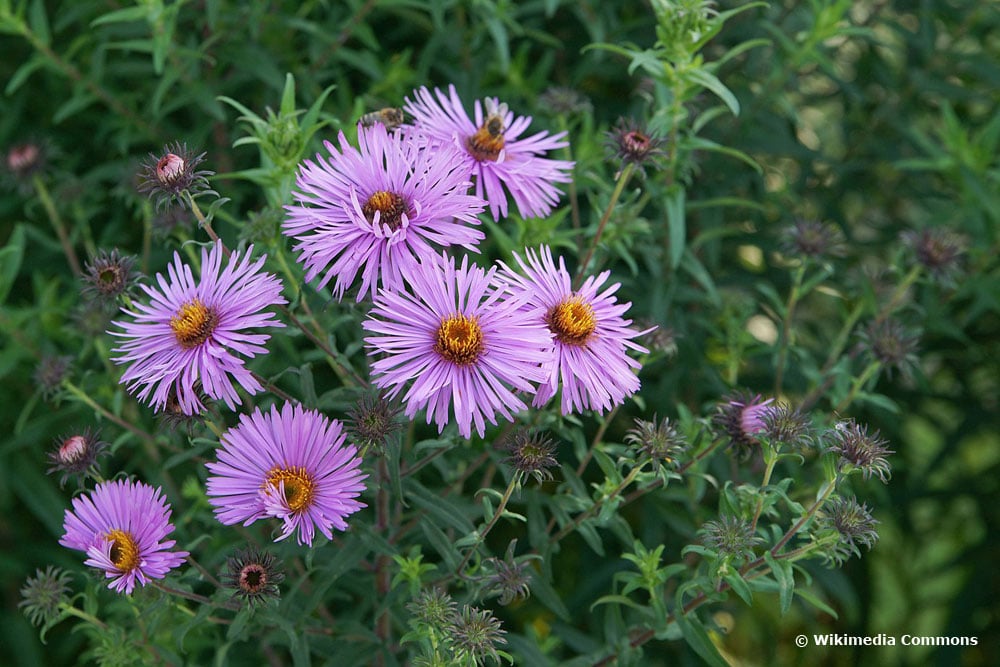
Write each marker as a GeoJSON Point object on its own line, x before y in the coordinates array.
{"type": "Point", "coordinates": [475, 634]}
{"type": "Point", "coordinates": [787, 426]}
{"type": "Point", "coordinates": [940, 251]}
{"type": "Point", "coordinates": [561, 100]}
{"type": "Point", "coordinates": [860, 451]}
{"type": "Point", "coordinates": [657, 439]}
{"type": "Point", "coordinates": [741, 416]}
{"type": "Point", "coordinates": [733, 538]}
{"type": "Point", "coordinates": [853, 524]}
{"type": "Point", "coordinates": [812, 239]}
{"type": "Point", "coordinates": [253, 575]}
{"type": "Point", "coordinates": [891, 344]}
{"type": "Point", "coordinates": [108, 275]}
{"type": "Point", "coordinates": [631, 141]}
{"type": "Point", "coordinates": [530, 453]}
{"type": "Point", "coordinates": [43, 593]}
{"type": "Point", "coordinates": [372, 421]}
{"type": "Point", "coordinates": [433, 608]}
{"type": "Point", "coordinates": [508, 578]}
{"type": "Point", "coordinates": [21, 162]}
{"type": "Point", "coordinates": [50, 373]}
{"type": "Point", "coordinates": [76, 455]}
{"type": "Point", "coordinates": [173, 173]}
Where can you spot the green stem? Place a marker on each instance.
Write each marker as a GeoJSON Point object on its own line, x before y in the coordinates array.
{"type": "Point", "coordinates": [57, 225]}
{"type": "Point", "coordinates": [514, 482]}
{"type": "Point", "coordinates": [786, 328]}
{"type": "Point", "coordinates": [146, 438]}
{"type": "Point", "coordinates": [595, 508]}
{"type": "Point", "coordinates": [859, 382]}
{"type": "Point", "coordinates": [79, 613]}
{"type": "Point", "coordinates": [623, 177]}
{"type": "Point", "coordinates": [194, 597]}
{"type": "Point", "coordinates": [771, 457]}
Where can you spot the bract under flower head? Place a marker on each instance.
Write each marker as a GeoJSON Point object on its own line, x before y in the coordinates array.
{"type": "Point", "coordinates": [494, 154]}
{"type": "Point", "coordinates": [378, 209]}
{"type": "Point", "coordinates": [292, 465]}
{"type": "Point", "coordinates": [192, 336]}
{"type": "Point", "coordinates": [589, 334]}
{"type": "Point", "coordinates": [121, 525]}
{"type": "Point", "coordinates": [456, 342]}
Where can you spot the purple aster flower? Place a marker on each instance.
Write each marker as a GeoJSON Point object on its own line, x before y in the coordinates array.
{"type": "Point", "coordinates": [456, 340]}
{"type": "Point", "coordinates": [493, 152]}
{"type": "Point", "coordinates": [193, 334]}
{"type": "Point", "coordinates": [121, 526]}
{"type": "Point", "coordinates": [292, 465]}
{"type": "Point", "coordinates": [377, 209]}
{"type": "Point", "coordinates": [744, 417]}
{"type": "Point", "coordinates": [590, 336]}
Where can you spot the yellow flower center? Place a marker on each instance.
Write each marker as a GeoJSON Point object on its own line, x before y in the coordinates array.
{"type": "Point", "coordinates": [572, 321]}
{"type": "Point", "coordinates": [299, 486]}
{"type": "Point", "coordinates": [390, 205]}
{"type": "Point", "coordinates": [194, 323]}
{"type": "Point", "coordinates": [124, 550]}
{"type": "Point", "coordinates": [459, 340]}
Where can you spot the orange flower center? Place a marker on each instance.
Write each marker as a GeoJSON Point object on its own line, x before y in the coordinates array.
{"type": "Point", "coordinates": [194, 323]}
{"type": "Point", "coordinates": [390, 206]}
{"type": "Point", "coordinates": [299, 486]}
{"type": "Point", "coordinates": [572, 321]}
{"type": "Point", "coordinates": [124, 550]}
{"type": "Point", "coordinates": [459, 340]}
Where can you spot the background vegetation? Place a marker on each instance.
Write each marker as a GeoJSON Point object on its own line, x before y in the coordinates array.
{"type": "Point", "coordinates": [879, 117]}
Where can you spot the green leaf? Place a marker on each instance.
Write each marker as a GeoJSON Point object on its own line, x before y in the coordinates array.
{"type": "Point", "coordinates": [23, 72]}
{"type": "Point", "coordinates": [437, 507]}
{"type": "Point", "coordinates": [125, 15]}
{"type": "Point", "coordinates": [39, 22]}
{"type": "Point", "coordinates": [816, 602]}
{"type": "Point", "coordinates": [698, 639]}
{"type": "Point", "coordinates": [740, 587]}
{"type": "Point", "coordinates": [548, 596]}
{"type": "Point", "coordinates": [711, 82]}
{"type": "Point", "coordinates": [11, 256]}
{"type": "Point", "coordinates": [676, 224]}
{"type": "Point", "coordinates": [783, 574]}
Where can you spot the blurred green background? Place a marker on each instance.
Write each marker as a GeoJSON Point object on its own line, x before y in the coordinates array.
{"type": "Point", "coordinates": [879, 117]}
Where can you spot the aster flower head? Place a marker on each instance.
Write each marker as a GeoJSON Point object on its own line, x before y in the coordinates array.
{"type": "Point", "coordinates": [76, 455]}
{"type": "Point", "coordinates": [494, 153]}
{"type": "Point", "coordinates": [292, 465]}
{"type": "Point", "coordinates": [742, 417]}
{"type": "Point", "coordinates": [853, 525]}
{"type": "Point", "coordinates": [859, 450]}
{"type": "Point", "coordinates": [530, 453]}
{"type": "Point", "coordinates": [43, 593]}
{"type": "Point", "coordinates": [372, 421]}
{"type": "Point", "coordinates": [812, 239]}
{"type": "Point", "coordinates": [22, 161]}
{"type": "Point", "coordinates": [590, 335]}
{"type": "Point", "coordinates": [475, 634]}
{"type": "Point", "coordinates": [731, 537]}
{"type": "Point", "coordinates": [172, 174]}
{"type": "Point", "coordinates": [631, 142]}
{"type": "Point", "coordinates": [378, 209]}
{"type": "Point", "coordinates": [121, 525]}
{"type": "Point", "coordinates": [50, 373]}
{"type": "Point", "coordinates": [432, 608]}
{"type": "Point", "coordinates": [253, 575]}
{"type": "Point", "coordinates": [891, 344]}
{"type": "Point", "coordinates": [659, 440]}
{"type": "Point", "coordinates": [787, 426]}
{"type": "Point", "coordinates": [196, 333]}
{"type": "Point", "coordinates": [508, 578]}
{"type": "Point", "coordinates": [940, 251]}
{"type": "Point", "coordinates": [108, 275]}
{"type": "Point", "coordinates": [458, 344]}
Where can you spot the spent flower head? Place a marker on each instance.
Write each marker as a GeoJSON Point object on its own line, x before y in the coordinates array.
{"type": "Point", "coordinates": [787, 426]}
{"type": "Point", "coordinates": [859, 450]}
{"type": "Point", "coordinates": [76, 455]}
{"type": "Point", "coordinates": [812, 239]}
{"type": "Point", "coordinates": [475, 634]}
{"type": "Point", "coordinates": [892, 344]}
{"type": "Point", "coordinates": [630, 141]}
{"type": "Point", "coordinates": [940, 251]}
{"type": "Point", "coordinates": [531, 453]}
{"type": "Point", "coordinates": [21, 162]}
{"type": "Point", "coordinates": [658, 440]}
{"type": "Point", "coordinates": [432, 608]}
{"type": "Point", "coordinates": [733, 538]}
{"type": "Point", "coordinates": [172, 174]}
{"type": "Point", "coordinates": [43, 593]}
{"type": "Point", "coordinates": [108, 275]}
{"type": "Point", "coordinates": [853, 525]}
{"type": "Point", "coordinates": [50, 373]}
{"type": "Point", "coordinates": [372, 420]}
{"type": "Point", "coordinates": [253, 575]}
{"type": "Point", "coordinates": [508, 578]}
